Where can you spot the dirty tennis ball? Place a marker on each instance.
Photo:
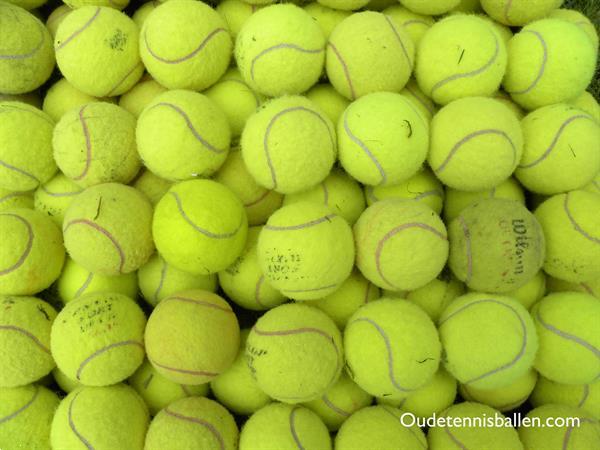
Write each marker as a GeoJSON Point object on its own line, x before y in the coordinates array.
{"type": "Point", "coordinates": [151, 185]}
{"type": "Point", "coordinates": [415, 25]}
{"type": "Point", "coordinates": [519, 12]}
{"type": "Point", "coordinates": [62, 97]}
{"type": "Point", "coordinates": [54, 197]}
{"type": "Point", "coordinates": [236, 13]}
{"type": "Point", "coordinates": [108, 229]}
{"type": "Point", "coordinates": [97, 51]}
{"type": "Point", "coordinates": [430, 7]}
{"type": "Point", "coordinates": [436, 295]}
{"type": "Point", "coordinates": [368, 52]}
{"type": "Point", "coordinates": [105, 417]}
{"type": "Point", "coordinates": [327, 16]}
{"type": "Point", "coordinates": [31, 252]}
{"type": "Point", "coordinates": [579, 19]}
{"type": "Point", "coordinates": [141, 95]}
{"type": "Point", "coordinates": [331, 102]}
{"type": "Point", "coordinates": [98, 339]}
{"type": "Point", "coordinates": [584, 396]}
{"type": "Point", "coordinates": [460, 56]}
{"type": "Point", "coordinates": [192, 316]}
{"type": "Point", "coordinates": [11, 200]}
{"type": "Point", "coordinates": [300, 341]}
{"type": "Point", "coordinates": [200, 227]}
{"type": "Point", "coordinates": [25, 340]}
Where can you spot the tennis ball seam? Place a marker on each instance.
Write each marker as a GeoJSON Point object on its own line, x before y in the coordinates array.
{"type": "Point", "coordinates": [575, 224]}
{"type": "Point", "coordinates": [72, 423]}
{"type": "Point", "coordinates": [190, 55]}
{"type": "Point", "coordinates": [12, 195]}
{"type": "Point", "coordinates": [468, 248]}
{"type": "Point", "coordinates": [88, 145]}
{"type": "Point", "coordinates": [27, 334]}
{"type": "Point", "coordinates": [258, 200]}
{"type": "Point", "coordinates": [113, 89]}
{"type": "Point", "coordinates": [60, 194]}
{"type": "Point", "coordinates": [542, 67]}
{"type": "Point", "coordinates": [28, 247]}
{"type": "Point", "coordinates": [336, 409]}
{"type": "Point", "coordinates": [259, 284]}
{"type": "Point", "coordinates": [421, 101]}
{"type": "Point", "coordinates": [22, 408]}
{"type": "Point", "coordinates": [104, 349]}
{"type": "Point", "coordinates": [84, 286]}
{"type": "Point", "coordinates": [209, 426]}
{"type": "Point", "coordinates": [34, 50]}
{"type": "Point", "coordinates": [163, 274]}
{"type": "Point", "coordinates": [293, 427]}
{"type": "Point", "coordinates": [284, 45]}
{"type": "Point", "coordinates": [399, 420]}
{"type": "Point", "coordinates": [399, 39]}
{"type": "Point", "coordinates": [345, 68]}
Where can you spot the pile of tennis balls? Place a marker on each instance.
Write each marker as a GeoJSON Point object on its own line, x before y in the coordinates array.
{"type": "Point", "coordinates": [279, 226]}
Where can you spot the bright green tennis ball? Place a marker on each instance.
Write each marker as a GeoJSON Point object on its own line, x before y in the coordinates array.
{"type": "Point", "coordinates": [436, 295]}
{"type": "Point", "coordinates": [469, 328]}
{"type": "Point", "coordinates": [415, 25]}
{"type": "Point", "coordinates": [158, 392]}
{"type": "Point", "coordinates": [97, 51]}
{"type": "Point", "coordinates": [25, 147]}
{"type": "Point", "coordinates": [331, 102]}
{"type": "Point", "coordinates": [566, 324]}
{"type": "Point", "coordinates": [11, 200]}
{"type": "Point", "coordinates": [236, 388]}
{"type": "Point", "coordinates": [368, 52]}
{"type": "Point", "coordinates": [587, 103]}
{"type": "Point", "coordinates": [561, 151]}
{"type": "Point", "coordinates": [66, 384]}
{"type": "Point", "coordinates": [413, 93]}
{"type": "Point", "coordinates": [25, 417]}
{"type": "Point", "coordinates": [531, 292]}
{"type": "Point", "coordinates": [549, 61]}
{"type": "Point", "coordinates": [103, 417]}
{"type": "Point", "coordinates": [460, 56]}
{"type": "Point", "coordinates": [430, 7]}
{"type": "Point", "coordinates": [141, 95]}
{"type": "Point", "coordinates": [107, 229]}
{"type": "Point", "coordinates": [572, 228]}
{"type": "Point", "coordinates": [54, 197]}
{"type": "Point", "coordinates": [31, 252]}
{"type": "Point", "coordinates": [56, 17]}
{"type": "Point", "coordinates": [62, 96]}
{"type": "Point", "coordinates": [185, 44]}
{"type": "Point", "coordinates": [151, 185]}
{"type": "Point", "coordinates": [519, 12]}
{"type": "Point", "coordinates": [236, 13]}
{"type": "Point", "coordinates": [97, 339]}
{"type": "Point", "coordinates": [289, 145]}
{"type": "Point", "coordinates": [194, 316]}
{"type": "Point", "coordinates": [190, 423]}
{"type": "Point", "coordinates": [579, 19]}
{"type": "Point", "coordinates": [400, 244]}
{"type": "Point", "coordinates": [301, 342]}
{"type": "Point", "coordinates": [25, 324]}
{"type": "Point", "coordinates": [306, 251]}
{"type": "Point", "coordinates": [27, 56]}
{"type": "Point", "coordinates": [200, 227]}
{"type": "Point", "coordinates": [284, 427]}
{"type": "Point", "coordinates": [584, 396]}
{"type": "Point", "coordinates": [328, 16]}
{"type": "Point", "coordinates": [496, 245]}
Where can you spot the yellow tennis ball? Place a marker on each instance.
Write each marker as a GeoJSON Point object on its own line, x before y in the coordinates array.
{"type": "Point", "coordinates": [368, 52]}
{"type": "Point", "coordinates": [54, 197]}
{"type": "Point", "coordinates": [430, 7]}
{"type": "Point", "coordinates": [436, 295]}
{"type": "Point", "coordinates": [107, 229]}
{"type": "Point", "coordinates": [25, 416]}
{"type": "Point", "coordinates": [579, 19]}
{"type": "Point", "coordinates": [394, 227]}
{"type": "Point", "coordinates": [102, 417]}
{"type": "Point", "coordinates": [413, 93]}
{"type": "Point", "coordinates": [584, 396]}
{"type": "Point", "coordinates": [116, 4]}
{"type": "Point", "coordinates": [460, 56]}
{"type": "Point", "coordinates": [31, 252]}
{"type": "Point", "coordinates": [549, 61]}
{"type": "Point", "coordinates": [301, 342]}
{"type": "Point", "coordinates": [98, 339]}
{"type": "Point", "coordinates": [66, 384]}
{"type": "Point", "coordinates": [327, 15]}
{"type": "Point", "coordinates": [141, 95]}
{"type": "Point", "coordinates": [468, 6]}
{"type": "Point", "coordinates": [415, 25]}
{"type": "Point", "coordinates": [192, 422]}
{"type": "Point", "coordinates": [11, 200]}
{"type": "Point", "coordinates": [31, 98]}
{"type": "Point", "coordinates": [519, 12]}
{"type": "Point", "coordinates": [143, 11]}
{"type": "Point", "coordinates": [62, 96]}
{"type": "Point", "coordinates": [284, 427]}
{"type": "Point", "coordinates": [151, 185]}
{"type": "Point", "coordinates": [198, 317]}
{"type": "Point", "coordinates": [531, 292]}
{"type": "Point", "coordinates": [503, 30]}
{"type": "Point", "coordinates": [591, 287]}
{"type": "Point", "coordinates": [329, 100]}
{"type": "Point", "coordinates": [236, 13]}
{"type": "Point", "coordinates": [589, 104]}
{"type": "Point", "coordinates": [56, 17]}
{"type": "Point", "coordinates": [200, 227]}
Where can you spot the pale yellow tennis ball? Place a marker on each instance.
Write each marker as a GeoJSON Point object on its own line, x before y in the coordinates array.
{"type": "Point", "coordinates": [505, 398]}
{"type": "Point", "coordinates": [63, 96]}
{"type": "Point", "coordinates": [589, 104]}
{"type": "Point", "coordinates": [327, 15]}
{"type": "Point", "coordinates": [236, 13]}
{"type": "Point", "coordinates": [579, 19]}
{"type": "Point", "coordinates": [531, 292]}
{"type": "Point", "coordinates": [415, 25]}
{"type": "Point", "coordinates": [329, 100]}
{"type": "Point", "coordinates": [430, 7]}
{"type": "Point", "coordinates": [11, 200]}
{"type": "Point", "coordinates": [435, 296]}
{"type": "Point", "coordinates": [56, 17]}
{"type": "Point", "coordinates": [141, 95]}
{"type": "Point", "coordinates": [413, 93]}
{"type": "Point", "coordinates": [151, 185]}
{"type": "Point", "coordinates": [584, 396]}
{"type": "Point", "coordinates": [519, 12]}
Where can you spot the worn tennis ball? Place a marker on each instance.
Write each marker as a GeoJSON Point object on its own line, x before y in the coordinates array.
{"type": "Point", "coordinates": [66, 384]}
{"type": "Point", "coordinates": [97, 51]}
{"type": "Point", "coordinates": [549, 61]}
{"type": "Point", "coordinates": [107, 229]}
{"type": "Point", "coordinates": [141, 95]}
{"type": "Point", "coordinates": [460, 56]}
{"type": "Point", "coordinates": [236, 13]}
{"type": "Point", "coordinates": [31, 252]}
{"type": "Point", "coordinates": [54, 197]}
{"type": "Point", "coordinates": [519, 12]}
{"type": "Point", "coordinates": [400, 244]}
{"type": "Point", "coordinates": [531, 292]}
{"type": "Point", "coordinates": [151, 185]}
{"type": "Point", "coordinates": [327, 15]}
{"type": "Point", "coordinates": [102, 417]}
{"type": "Point", "coordinates": [98, 339]}
{"type": "Point", "coordinates": [56, 17]}
{"type": "Point", "coordinates": [25, 416]}
{"type": "Point", "coordinates": [579, 19]}
{"type": "Point", "coordinates": [331, 102]}
{"type": "Point", "coordinates": [415, 25]}
{"type": "Point", "coordinates": [423, 104]}
{"type": "Point", "coordinates": [301, 342]}
{"type": "Point", "coordinates": [368, 52]}
{"type": "Point", "coordinates": [11, 200]}
{"type": "Point", "coordinates": [436, 295]}
{"type": "Point", "coordinates": [572, 228]}
{"type": "Point", "coordinates": [200, 227]}
{"type": "Point", "coordinates": [62, 97]}
{"type": "Point", "coordinates": [584, 396]}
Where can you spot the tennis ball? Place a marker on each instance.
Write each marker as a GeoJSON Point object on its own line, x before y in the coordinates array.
{"type": "Point", "coordinates": [289, 145]}
{"type": "Point", "coordinates": [327, 15]}
{"type": "Point", "coordinates": [107, 229]}
{"type": "Point", "coordinates": [503, 31]}
{"type": "Point", "coordinates": [158, 392]}
{"type": "Point", "coordinates": [235, 13]}
{"type": "Point", "coordinates": [344, 5]}
{"type": "Point", "coordinates": [415, 25]}
{"type": "Point", "coordinates": [31, 98]}
{"type": "Point", "coordinates": [199, 227]}
{"type": "Point", "coordinates": [97, 51]}
{"type": "Point", "coordinates": [280, 50]}
{"type": "Point", "coordinates": [471, 434]}
{"type": "Point", "coordinates": [25, 417]}
{"type": "Point", "coordinates": [27, 58]}
{"type": "Point", "coordinates": [519, 12]}
{"type": "Point", "coordinates": [400, 244]}
{"type": "Point", "coordinates": [284, 427]}
{"type": "Point", "coordinates": [235, 98]}
{"type": "Point", "coordinates": [423, 104]}
{"type": "Point", "coordinates": [566, 324]}
{"type": "Point", "coordinates": [549, 61]}
{"type": "Point", "coordinates": [561, 151]}
{"type": "Point", "coordinates": [63, 96]}
{"type": "Point", "coordinates": [194, 316]}
{"type": "Point", "coordinates": [382, 139]}
{"type": "Point", "coordinates": [469, 328]}
{"type": "Point", "coordinates": [25, 147]}
{"type": "Point", "coordinates": [182, 135]}
{"type": "Point", "coordinates": [258, 201]}
{"type": "Point", "coordinates": [151, 185]}
{"type": "Point", "coordinates": [31, 252]}
{"type": "Point", "coordinates": [102, 417]}
{"type": "Point", "coordinates": [579, 19]}
{"type": "Point", "coordinates": [119, 4]}
{"type": "Point", "coordinates": [572, 229]}
{"type": "Point", "coordinates": [584, 396]}
{"type": "Point", "coordinates": [587, 103]}
{"type": "Point", "coordinates": [235, 388]}
{"type": "Point", "coordinates": [436, 295]}
{"type": "Point", "coordinates": [25, 324]}
{"type": "Point", "coordinates": [379, 427]}
{"type": "Point", "coordinates": [591, 287]}
{"type": "Point", "coordinates": [430, 7]}
{"type": "Point", "coordinates": [177, 426]}
{"type": "Point", "coordinates": [379, 5]}
{"type": "Point", "coordinates": [496, 245]}
{"type": "Point", "coordinates": [331, 102]}
{"type": "Point", "coordinates": [306, 251]}
{"type": "Point", "coordinates": [468, 6]}
{"type": "Point", "coordinates": [141, 95]}
{"type": "Point", "coordinates": [531, 292]}
{"type": "Point", "coordinates": [64, 382]}
{"type": "Point", "coordinates": [505, 398]}
{"type": "Point", "coordinates": [301, 342]}
{"type": "Point", "coordinates": [143, 11]}
{"type": "Point", "coordinates": [54, 197]}
{"type": "Point", "coordinates": [56, 17]}
{"type": "Point", "coordinates": [97, 339]}
{"type": "Point", "coordinates": [11, 200]}
{"type": "Point", "coordinates": [368, 52]}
